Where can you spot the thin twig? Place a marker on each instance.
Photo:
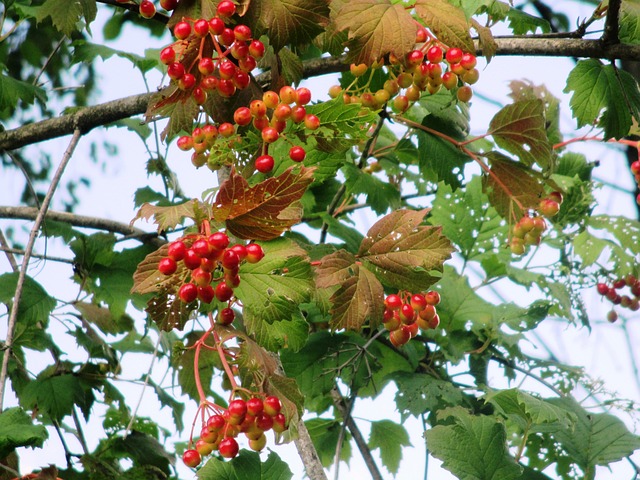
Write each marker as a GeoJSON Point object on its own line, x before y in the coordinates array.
{"type": "Point", "coordinates": [13, 316]}
{"type": "Point", "coordinates": [80, 433]}
{"type": "Point", "coordinates": [8, 252]}
{"type": "Point", "coordinates": [17, 251]}
{"type": "Point", "coordinates": [528, 373]}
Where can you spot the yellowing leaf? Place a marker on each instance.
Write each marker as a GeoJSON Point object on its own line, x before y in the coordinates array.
{"type": "Point", "coordinates": [169, 217]}
{"type": "Point", "coordinates": [359, 298]}
{"type": "Point", "coordinates": [487, 43]}
{"type": "Point", "coordinates": [266, 210]}
{"type": "Point", "coordinates": [402, 253]}
{"type": "Point", "coordinates": [335, 268]}
{"type": "Point", "coordinates": [448, 22]}
{"type": "Point", "coordinates": [519, 128]}
{"type": "Point", "coordinates": [376, 28]}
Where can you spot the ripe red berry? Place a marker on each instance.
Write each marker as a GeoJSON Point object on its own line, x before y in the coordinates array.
{"type": "Point", "coordinates": [226, 316]}
{"type": "Point", "coordinates": [635, 167]}
{"type": "Point", "coordinates": [182, 30]}
{"type": "Point", "coordinates": [242, 116]}
{"type": "Point", "coordinates": [177, 250]}
{"type": "Point", "coordinates": [215, 423]}
{"type": "Point", "coordinates": [226, 8]}
{"type": "Point", "coordinates": [421, 34]}
{"type": "Point", "coordinates": [548, 207]}
{"type": "Point", "coordinates": [227, 37]}
{"type": "Point", "coordinates": [242, 32]}
{"type": "Point", "coordinates": [468, 61]}
{"type": "Point", "coordinates": [147, 8]}
{"type": "Point", "coordinates": [169, 4]}
{"type": "Point", "coordinates": [270, 135]}
{"type": "Point", "coordinates": [188, 292]}
{"type": "Point", "coordinates": [264, 163]}
{"type": "Point", "coordinates": [206, 293]}
{"type": "Point", "coordinates": [167, 266]}
{"type": "Point", "coordinates": [256, 49]}
{"type": "Point", "coordinates": [175, 71]}
{"type": "Point", "coordinates": [393, 302]}
{"type": "Point", "coordinates": [272, 405]}
{"type": "Point", "coordinates": [200, 277]}
{"type": "Point", "coordinates": [418, 302]}
{"type": "Point", "coordinates": [311, 122]}
{"type": "Point", "coordinates": [254, 406]}
{"type": "Point", "coordinates": [297, 154]}
{"type": "Point", "coordinates": [191, 458]}
{"type": "Point", "coordinates": [282, 111]}
{"type": "Point", "coordinates": [216, 25]}
{"type": "Point", "coordinates": [298, 112]}
{"type": "Point", "coordinates": [399, 337]}
{"type": "Point", "coordinates": [228, 447]}
{"type": "Point", "coordinates": [168, 55]}
{"type": "Point", "coordinates": [255, 253]}
{"type": "Point", "coordinates": [434, 54]}
{"type": "Point", "coordinates": [432, 297]}
{"type": "Point", "coordinates": [454, 55]}
{"type": "Point", "coordinates": [407, 314]}
{"type": "Point", "coordinates": [218, 240]}
{"type": "Point", "coordinates": [264, 421]}
{"type": "Point", "coordinates": [288, 95]}
{"type": "Point", "coordinates": [620, 283]}
{"type": "Point", "coordinates": [303, 96]}
{"type": "Point", "coordinates": [414, 57]}
{"type": "Point", "coordinates": [237, 408]}
{"type": "Point", "coordinates": [201, 27]}
{"type": "Point", "coordinates": [187, 81]}
{"type": "Point", "coordinates": [279, 423]}
{"type": "Point", "coordinates": [230, 260]}
{"type": "Point", "coordinates": [226, 129]}
{"type": "Point", "coordinates": [223, 292]}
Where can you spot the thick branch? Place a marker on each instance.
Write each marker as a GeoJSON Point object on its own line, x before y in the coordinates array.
{"type": "Point", "coordinates": [564, 47]}
{"type": "Point", "coordinates": [611, 25]}
{"type": "Point", "coordinates": [30, 213]}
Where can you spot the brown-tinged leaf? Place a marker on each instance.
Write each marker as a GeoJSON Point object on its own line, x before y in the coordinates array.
{"type": "Point", "coordinates": [447, 22]}
{"type": "Point", "coordinates": [359, 298]}
{"type": "Point", "coordinates": [263, 211]}
{"type": "Point", "coordinates": [288, 22]}
{"type": "Point", "coordinates": [148, 279]}
{"type": "Point", "coordinates": [169, 217]}
{"type": "Point", "coordinates": [103, 318]}
{"type": "Point", "coordinates": [335, 268]}
{"type": "Point", "coordinates": [375, 29]}
{"type": "Point", "coordinates": [402, 253]}
{"type": "Point", "coordinates": [487, 43]}
{"type": "Point", "coordinates": [178, 105]}
{"type": "Point", "coordinates": [519, 128]}
{"type": "Point", "coordinates": [511, 182]}
{"type": "Point", "coordinates": [168, 311]}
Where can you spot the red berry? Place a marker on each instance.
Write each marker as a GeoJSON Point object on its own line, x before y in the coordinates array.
{"type": "Point", "coordinates": [147, 9]}
{"type": "Point", "coordinates": [548, 207]}
{"type": "Point", "coordinates": [414, 57]}
{"type": "Point", "coordinates": [237, 408]}
{"type": "Point", "coordinates": [270, 99]}
{"type": "Point", "coordinates": [407, 314]}
{"type": "Point", "coordinates": [228, 447]}
{"type": "Point", "coordinates": [191, 259]}
{"type": "Point", "coordinates": [218, 240]}
{"type": "Point", "coordinates": [242, 116]}
{"type": "Point", "coordinates": [298, 113]}
{"type": "Point", "coordinates": [206, 293]}
{"type": "Point", "coordinates": [288, 95]}
{"type": "Point", "coordinates": [264, 163]}
{"type": "Point", "coordinates": [311, 122]}
{"type": "Point", "coordinates": [257, 108]}
{"type": "Point", "coordinates": [620, 283]}
{"type": "Point", "coordinates": [168, 55]}
{"type": "Point", "coordinates": [167, 266]}
{"type": "Point", "coordinates": [255, 253]}
{"type": "Point", "coordinates": [303, 96]}
{"type": "Point", "coordinates": [187, 81]}
{"type": "Point", "coordinates": [297, 154]}
{"type": "Point", "coordinates": [242, 32]}
{"type": "Point", "coordinates": [270, 135]}
{"type": "Point", "coordinates": [177, 250]}
{"type": "Point", "coordinates": [272, 405]}
{"type": "Point", "coordinates": [169, 4]}
{"type": "Point", "coordinates": [254, 406]}
{"type": "Point", "coordinates": [188, 292]}
{"type": "Point", "coordinates": [201, 27]}
{"type": "Point", "coordinates": [399, 337]}
{"type": "Point", "coordinates": [226, 316]}
{"type": "Point", "coordinates": [215, 423]}
{"type": "Point", "coordinates": [434, 54]}
{"type": "Point", "coordinates": [279, 423]}
{"type": "Point", "coordinates": [432, 297]}
{"type": "Point", "coordinates": [393, 302]}
{"type": "Point", "coordinates": [635, 167]}
{"type": "Point", "coordinates": [256, 49]}
{"type": "Point", "coordinates": [223, 292]}
{"type": "Point", "coordinates": [468, 61]}
{"type": "Point", "coordinates": [282, 111]}
{"type": "Point", "coordinates": [454, 55]}
{"type": "Point", "coordinates": [264, 421]}
{"type": "Point", "coordinates": [230, 260]}
{"type": "Point", "coordinates": [216, 25]}
{"type": "Point", "coordinates": [427, 313]}
{"type": "Point", "coordinates": [411, 328]}
{"type": "Point", "coordinates": [421, 34]}
{"type": "Point", "coordinates": [175, 71]}
{"type": "Point", "coordinates": [418, 302]}
{"type": "Point", "coordinates": [206, 66]}
{"type": "Point", "coordinates": [200, 277]}
{"type": "Point", "coordinates": [240, 250]}
{"type": "Point", "coordinates": [191, 458]}
{"type": "Point", "coordinates": [226, 8]}
{"type": "Point", "coordinates": [182, 30]}
{"type": "Point", "coordinates": [227, 37]}
{"type": "Point", "coordinates": [226, 129]}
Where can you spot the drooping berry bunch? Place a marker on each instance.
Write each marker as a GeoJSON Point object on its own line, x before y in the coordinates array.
{"type": "Point", "coordinates": [209, 261]}
{"type": "Point", "coordinates": [252, 417]}
{"type": "Point", "coordinates": [405, 313]}
{"type": "Point", "coordinates": [529, 229]}
{"type": "Point", "coordinates": [612, 294]}
{"type": "Point", "coordinates": [209, 56]}
{"type": "Point", "coordinates": [148, 9]}
{"type": "Point", "coordinates": [427, 68]}
{"type": "Point", "coordinates": [635, 169]}
{"type": "Point", "coordinates": [269, 116]}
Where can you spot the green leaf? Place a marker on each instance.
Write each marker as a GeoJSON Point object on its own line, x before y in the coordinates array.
{"type": "Point", "coordinates": [325, 434]}
{"type": "Point", "coordinates": [285, 333]}
{"type": "Point", "coordinates": [13, 92]}
{"type": "Point", "coordinates": [448, 22]}
{"type": "Point", "coordinates": [468, 220]}
{"type": "Point", "coordinates": [402, 253]}
{"type": "Point", "coordinates": [166, 400]}
{"type": "Point", "coordinates": [595, 438]}
{"type": "Point", "coordinates": [389, 437]}
{"type": "Point", "coordinates": [168, 217]}
{"type": "Point", "coordinates": [380, 195]}
{"type": "Point", "coordinates": [288, 22]}
{"type": "Point", "coordinates": [531, 409]}
{"type": "Point", "coordinates": [142, 449]}
{"type": "Point", "coordinates": [474, 448]}
{"type": "Point", "coordinates": [65, 14]}
{"type": "Point", "coordinates": [246, 465]}
{"type": "Point", "coordinates": [419, 393]}
{"type": "Point", "coordinates": [17, 430]}
{"type": "Point", "coordinates": [440, 160]}
{"type": "Point", "coordinates": [603, 94]}
{"type": "Point", "coordinates": [35, 303]}
{"type": "Point", "coordinates": [630, 22]}
{"type": "Point", "coordinates": [185, 366]}
{"type": "Point", "coordinates": [86, 52]}
{"type": "Point", "coordinates": [272, 289]}
{"type": "Point", "coordinates": [522, 23]}
{"type": "Point", "coordinates": [519, 128]}
{"type": "Point", "coordinates": [375, 29]}
{"type": "Point", "coordinates": [103, 318]}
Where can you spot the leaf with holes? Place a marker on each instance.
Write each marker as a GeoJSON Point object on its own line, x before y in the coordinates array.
{"type": "Point", "coordinates": [358, 299]}
{"type": "Point", "coordinates": [402, 253]}
{"type": "Point", "coordinates": [375, 29]}
{"type": "Point", "coordinates": [168, 311]}
{"type": "Point", "coordinates": [447, 21]}
{"type": "Point", "coordinates": [511, 186]}
{"type": "Point", "coordinates": [266, 210]}
{"type": "Point", "coordinates": [169, 217]}
{"type": "Point", "coordinates": [519, 128]}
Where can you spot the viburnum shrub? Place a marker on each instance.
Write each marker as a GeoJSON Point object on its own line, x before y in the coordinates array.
{"type": "Point", "coordinates": [267, 303]}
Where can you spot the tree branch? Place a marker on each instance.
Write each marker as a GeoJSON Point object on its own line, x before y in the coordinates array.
{"type": "Point", "coordinates": [30, 213]}
{"type": "Point", "coordinates": [308, 454]}
{"type": "Point", "coordinates": [611, 24]}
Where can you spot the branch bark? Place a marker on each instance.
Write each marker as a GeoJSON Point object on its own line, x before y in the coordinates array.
{"type": "Point", "coordinates": [91, 117]}
{"type": "Point", "coordinates": [30, 213]}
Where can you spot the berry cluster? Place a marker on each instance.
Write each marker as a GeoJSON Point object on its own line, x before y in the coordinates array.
{"type": "Point", "coordinates": [427, 68]}
{"type": "Point", "coordinates": [148, 9]}
{"type": "Point", "coordinates": [210, 57]}
{"type": "Point", "coordinates": [611, 293]}
{"type": "Point", "coordinates": [405, 313]}
{"type": "Point", "coordinates": [268, 116]}
{"type": "Point", "coordinates": [528, 231]}
{"type": "Point", "coordinates": [210, 261]}
{"type": "Point", "coordinates": [635, 169]}
{"type": "Point", "coordinates": [253, 417]}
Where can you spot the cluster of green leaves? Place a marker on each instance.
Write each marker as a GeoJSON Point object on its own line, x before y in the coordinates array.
{"type": "Point", "coordinates": [319, 306]}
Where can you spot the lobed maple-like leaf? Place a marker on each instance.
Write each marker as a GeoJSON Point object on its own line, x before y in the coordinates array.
{"type": "Point", "coordinates": [289, 22]}
{"type": "Point", "coordinates": [263, 211]}
{"type": "Point", "coordinates": [335, 268]}
{"type": "Point", "coordinates": [375, 29]}
{"type": "Point", "coordinates": [358, 299]}
{"type": "Point", "coordinates": [509, 183]}
{"type": "Point", "coordinates": [170, 216]}
{"type": "Point", "coordinates": [519, 128]}
{"type": "Point", "coordinates": [447, 22]}
{"type": "Point", "coordinates": [402, 253]}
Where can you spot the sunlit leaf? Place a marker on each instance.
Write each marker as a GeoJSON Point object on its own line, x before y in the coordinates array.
{"type": "Point", "coordinates": [358, 299]}
{"type": "Point", "coordinates": [169, 217]}
{"type": "Point", "coordinates": [447, 21]}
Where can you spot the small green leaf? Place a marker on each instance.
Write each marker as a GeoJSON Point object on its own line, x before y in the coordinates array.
{"type": "Point", "coordinates": [13, 92]}
{"type": "Point", "coordinates": [474, 448]}
{"type": "Point", "coordinates": [65, 14]}
{"type": "Point", "coordinates": [529, 408]}
{"type": "Point", "coordinates": [325, 434]}
{"type": "Point", "coordinates": [419, 393]}
{"type": "Point", "coordinates": [285, 333]}
{"type": "Point", "coordinates": [522, 23]}
{"type": "Point", "coordinates": [380, 195]}
{"type": "Point", "coordinates": [86, 52]}
{"type": "Point", "coordinates": [35, 303]}
{"type": "Point", "coordinates": [630, 22]}
{"type": "Point", "coordinates": [17, 430]}
{"type": "Point", "coordinates": [389, 437]}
